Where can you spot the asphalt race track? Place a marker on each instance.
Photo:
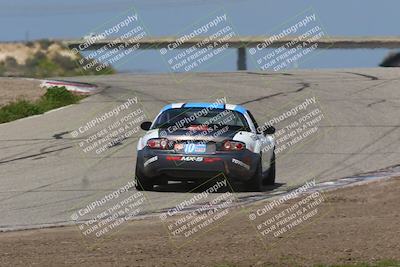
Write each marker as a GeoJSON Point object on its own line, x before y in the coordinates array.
{"type": "Point", "coordinates": [46, 176]}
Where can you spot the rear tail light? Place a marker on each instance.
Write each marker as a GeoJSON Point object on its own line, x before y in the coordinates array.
{"type": "Point", "coordinates": [233, 145]}
{"type": "Point", "coordinates": [158, 143]}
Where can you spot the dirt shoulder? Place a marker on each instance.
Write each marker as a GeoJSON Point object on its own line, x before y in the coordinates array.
{"type": "Point", "coordinates": [355, 224]}
{"type": "Point", "coordinates": [12, 89]}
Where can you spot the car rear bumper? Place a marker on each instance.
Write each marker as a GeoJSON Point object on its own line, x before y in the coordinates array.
{"type": "Point", "coordinates": [168, 165]}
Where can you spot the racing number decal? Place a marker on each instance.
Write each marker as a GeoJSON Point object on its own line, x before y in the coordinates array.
{"type": "Point", "coordinates": [189, 148]}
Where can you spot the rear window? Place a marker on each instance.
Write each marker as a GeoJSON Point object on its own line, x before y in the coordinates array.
{"type": "Point", "coordinates": [185, 117]}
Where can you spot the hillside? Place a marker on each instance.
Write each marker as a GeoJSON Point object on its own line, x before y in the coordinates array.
{"type": "Point", "coordinates": [40, 59]}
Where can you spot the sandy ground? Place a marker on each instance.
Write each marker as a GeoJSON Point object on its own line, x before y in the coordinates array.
{"type": "Point", "coordinates": [21, 52]}
{"type": "Point", "coordinates": [12, 89]}
{"type": "Point", "coordinates": [355, 224]}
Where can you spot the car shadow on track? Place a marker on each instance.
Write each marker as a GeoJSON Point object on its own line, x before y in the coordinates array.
{"type": "Point", "coordinates": [192, 187]}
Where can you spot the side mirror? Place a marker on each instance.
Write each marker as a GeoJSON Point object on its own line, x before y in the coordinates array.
{"type": "Point", "coordinates": [269, 130]}
{"type": "Point", "coordinates": [145, 125]}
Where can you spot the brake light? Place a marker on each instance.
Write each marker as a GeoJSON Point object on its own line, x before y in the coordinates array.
{"type": "Point", "coordinates": [158, 143]}
{"type": "Point", "coordinates": [233, 145]}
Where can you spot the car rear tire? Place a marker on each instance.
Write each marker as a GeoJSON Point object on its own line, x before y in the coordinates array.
{"type": "Point", "coordinates": [143, 183]}
{"type": "Point", "coordinates": [256, 183]}
{"type": "Point", "coordinates": [270, 179]}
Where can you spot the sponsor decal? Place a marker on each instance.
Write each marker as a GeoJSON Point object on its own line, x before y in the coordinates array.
{"type": "Point", "coordinates": [197, 159]}
{"type": "Point", "coordinates": [150, 160]}
{"type": "Point", "coordinates": [192, 159]}
{"type": "Point", "coordinates": [241, 163]}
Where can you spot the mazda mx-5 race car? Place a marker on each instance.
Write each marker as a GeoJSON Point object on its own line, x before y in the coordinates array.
{"type": "Point", "coordinates": [199, 141]}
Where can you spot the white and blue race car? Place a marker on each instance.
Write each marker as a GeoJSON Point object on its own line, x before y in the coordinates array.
{"type": "Point", "coordinates": [198, 141]}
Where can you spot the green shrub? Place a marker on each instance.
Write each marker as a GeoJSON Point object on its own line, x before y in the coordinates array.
{"type": "Point", "coordinates": [64, 62]}
{"type": "Point", "coordinates": [19, 109]}
{"type": "Point", "coordinates": [55, 97]}
{"type": "Point", "coordinates": [2, 69]}
{"type": "Point", "coordinates": [10, 62]}
{"type": "Point", "coordinates": [30, 44]}
{"type": "Point", "coordinates": [45, 43]}
{"type": "Point", "coordinates": [35, 60]}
